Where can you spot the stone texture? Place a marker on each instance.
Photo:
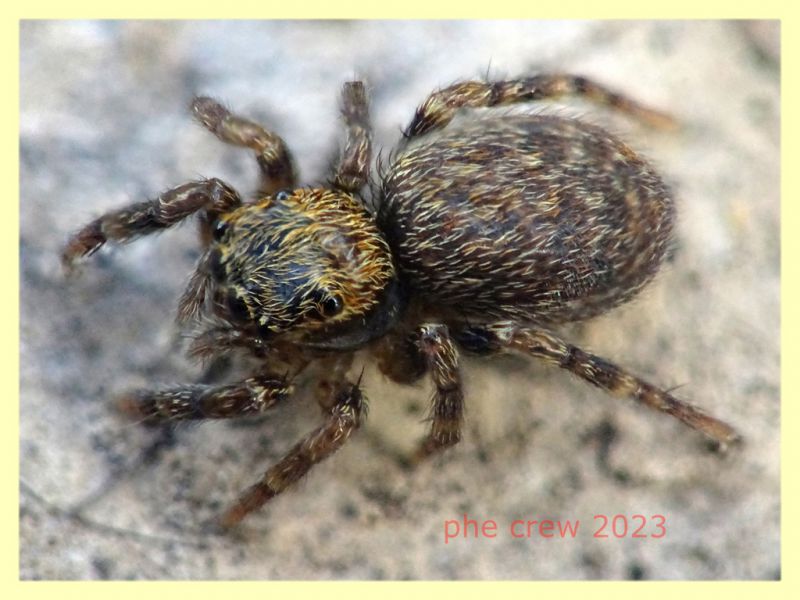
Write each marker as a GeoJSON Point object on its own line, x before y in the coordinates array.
{"type": "Point", "coordinates": [104, 121]}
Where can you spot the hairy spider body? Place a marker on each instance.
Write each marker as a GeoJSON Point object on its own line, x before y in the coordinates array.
{"type": "Point", "coordinates": [485, 232]}
{"type": "Point", "coordinates": [531, 218]}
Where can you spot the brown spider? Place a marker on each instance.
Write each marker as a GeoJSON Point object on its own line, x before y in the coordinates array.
{"type": "Point", "coordinates": [483, 234]}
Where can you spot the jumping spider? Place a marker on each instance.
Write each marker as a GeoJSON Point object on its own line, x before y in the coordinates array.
{"type": "Point", "coordinates": [479, 236]}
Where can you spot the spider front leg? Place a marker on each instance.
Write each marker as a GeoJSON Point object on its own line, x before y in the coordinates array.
{"type": "Point", "coordinates": [594, 369]}
{"type": "Point", "coordinates": [126, 224]}
{"type": "Point", "coordinates": [272, 154]}
{"type": "Point", "coordinates": [252, 396]}
{"type": "Point", "coordinates": [341, 420]}
{"type": "Point", "coordinates": [352, 172]}
{"type": "Point", "coordinates": [441, 106]}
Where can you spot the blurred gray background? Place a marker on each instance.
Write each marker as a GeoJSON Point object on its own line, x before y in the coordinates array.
{"type": "Point", "coordinates": [104, 122]}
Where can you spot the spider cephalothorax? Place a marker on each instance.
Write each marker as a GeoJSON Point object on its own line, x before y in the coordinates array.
{"type": "Point", "coordinates": [302, 260]}
{"type": "Point", "coordinates": [483, 234]}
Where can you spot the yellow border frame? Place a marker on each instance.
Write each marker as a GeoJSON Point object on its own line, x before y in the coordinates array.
{"type": "Point", "coordinates": [9, 263]}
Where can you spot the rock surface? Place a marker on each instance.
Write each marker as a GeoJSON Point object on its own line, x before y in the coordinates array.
{"type": "Point", "coordinates": [104, 122]}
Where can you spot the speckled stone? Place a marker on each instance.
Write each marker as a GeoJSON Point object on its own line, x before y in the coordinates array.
{"type": "Point", "coordinates": [104, 121]}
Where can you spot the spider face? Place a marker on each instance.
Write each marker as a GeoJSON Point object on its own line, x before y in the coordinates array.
{"type": "Point", "coordinates": [298, 261]}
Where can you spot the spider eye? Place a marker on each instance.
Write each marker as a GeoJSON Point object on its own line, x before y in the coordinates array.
{"type": "Point", "coordinates": [264, 330]}
{"type": "Point", "coordinates": [220, 227]}
{"type": "Point", "coordinates": [326, 305]}
{"type": "Point", "coordinates": [215, 266]}
{"type": "Point", "coordinates": [282, 195]}
{"type": "Point", "coordinates": [331, 306]}
{"type": "Point", "coordinates": [237, 308]}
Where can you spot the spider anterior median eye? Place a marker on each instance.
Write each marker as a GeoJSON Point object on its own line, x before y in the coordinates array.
{"type": "Point", "coordinates": [238, 308]}
{"type": "Point", "coordinates": [282, 195]}
{"type": "Point", "coordinates": [331, 306]}
{"type": "Point", "coordinates": [220, 227]}
{"type": "Point", "coordinates": [215, 266]}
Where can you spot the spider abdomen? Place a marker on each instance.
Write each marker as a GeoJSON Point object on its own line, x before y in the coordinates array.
{"type": "Point", "coordinates": [532, 217]}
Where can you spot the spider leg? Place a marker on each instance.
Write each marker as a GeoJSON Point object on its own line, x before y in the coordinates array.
{"type": "Point", "coordinates": [405, 356]}
{"type": "Point", "coordinates": [398, 356]}
{"type": "Point", "coordinates": [252, 396]}
{"type": "Point", "coordinates": [218, 341]}
{"type": "Point", "coordinates": [342, 419]}
{"type": "Point", "coordinates": [352, 172]}
{"type": "Point", "coordinates": [141, 218]}
{"type": "Point", "coordinates": [447, 411]}
{"type": "Point", "coordinates": [594, 369]}
{"type": "Point", "coordinates": [440, 107]}
{"type": "Point", "coordinates": [272, 155]}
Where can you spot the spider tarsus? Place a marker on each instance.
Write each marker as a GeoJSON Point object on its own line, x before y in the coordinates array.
{"type": "Point", "coordinates": [208, 112]}
{"type": "Point", "coordinates": [128, 404]}
{"type": "Point", "coordinates": [660, 120]}
{"type": "Point", "coordinates": [218, 527]}
{"type": "Point", "coordinates": [251, 500]}
{"type": "Point", "coordinates": [727, 446]}
{"type": "Point", "coordinates": [83, 244]}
